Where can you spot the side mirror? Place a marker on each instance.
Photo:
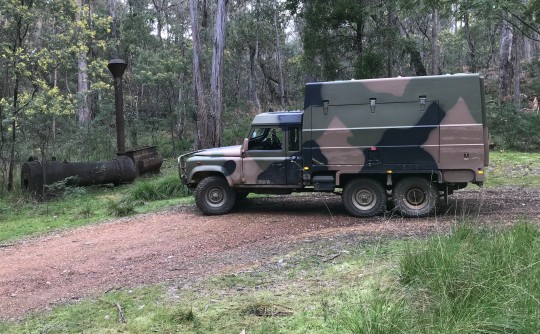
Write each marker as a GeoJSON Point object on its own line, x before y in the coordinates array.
{"type": "Point", "coordinates": [245, 145]}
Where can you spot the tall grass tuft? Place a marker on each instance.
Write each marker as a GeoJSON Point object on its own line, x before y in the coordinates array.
{"type": "Point", "coordinates": [372, 313]}
{"type": "Point", "coordinates": [121, 208]}
{"type": "Point", "coordinates": [158, 189]}
{"type": "Point", "coordinates": [477, 281]}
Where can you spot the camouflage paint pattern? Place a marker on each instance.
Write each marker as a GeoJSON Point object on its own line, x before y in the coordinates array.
{"type": "Point", "coordinates": [399, 124]}
{"type": "Point", "coordinates": [432, 124]}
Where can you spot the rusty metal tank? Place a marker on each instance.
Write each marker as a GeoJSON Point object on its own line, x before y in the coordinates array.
{"type": "Point", "coordinates": [37, 175]}
{"type": "Point", "coordinates": [146, 159]}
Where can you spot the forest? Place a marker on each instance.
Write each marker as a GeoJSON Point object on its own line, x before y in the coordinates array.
{"type": "Point", "coordinates": [199, 70]}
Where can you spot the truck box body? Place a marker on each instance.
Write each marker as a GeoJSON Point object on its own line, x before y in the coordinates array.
{"type": "Point", "coordinates": [398, 124]}
{"type": "Point", "coordinates": [414, 138]}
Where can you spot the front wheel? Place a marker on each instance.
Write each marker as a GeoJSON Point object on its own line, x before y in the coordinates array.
{"type": "Point", "coordinates": [415, 197]}
{"type": "Point", "coordinates": [213, 196]}
{"type": "Point", "coordinates": [364, 198]}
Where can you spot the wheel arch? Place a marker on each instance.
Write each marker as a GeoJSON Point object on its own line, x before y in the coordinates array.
{"type": "Point", "coordinates": [343, 178]}
{"type": "Point", "coordinates": [201, 172]}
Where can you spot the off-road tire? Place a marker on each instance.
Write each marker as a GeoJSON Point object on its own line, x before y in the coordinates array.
{"type": "Point", "coordinates": [415, 197]}
{"type": "Point", "coordinates": [364, 198]}
{"type": "Point", "coordinates": [213, 196]}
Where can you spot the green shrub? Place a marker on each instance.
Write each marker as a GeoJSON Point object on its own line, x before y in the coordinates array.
{"type": "Point", "coordinates": [510, 129]}
{"type": "Point", "coordinates": [65, 188]}
{"type": "Point", "coordinates": [158, 189]}
{"type": "Point", "coordinates": [121, 208]}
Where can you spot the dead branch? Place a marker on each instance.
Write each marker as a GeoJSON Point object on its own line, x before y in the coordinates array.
{"type": "Point", "coordinates": [121, 318]}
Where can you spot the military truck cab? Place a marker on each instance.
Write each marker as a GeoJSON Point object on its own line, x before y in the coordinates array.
{"type": "Point", "coordinates": [411, 140]}
{"type": "Point", "coordinates": [271, 154]}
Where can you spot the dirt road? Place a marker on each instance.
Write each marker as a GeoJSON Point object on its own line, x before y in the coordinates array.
{"type": "Point", "coordinates": [182, 244]}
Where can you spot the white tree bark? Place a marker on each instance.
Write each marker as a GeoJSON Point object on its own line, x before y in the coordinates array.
{"type": "Point", "coordinates": [518, 41]}
{"type": "Point", "coordinates": [505, 59]}
{"type": "Point", "coordinates": [84, 113]}
{"type": "Point", "coordinates": [216, 83]}
{"type": "Point", "coordinates": [202, 112]}
{"type": "Point", "coordinates": [278, 57]}
{"type": "Point", "coordinates": [435, 49]}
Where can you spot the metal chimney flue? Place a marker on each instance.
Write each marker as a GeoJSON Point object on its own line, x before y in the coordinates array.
{"type": "Point", "coordinates": [117, 68]}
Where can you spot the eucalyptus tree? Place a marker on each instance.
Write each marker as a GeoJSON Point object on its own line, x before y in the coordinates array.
{"type": "Point", "coordinates": [216, 81]}
{"type": "Point", "coordinates": [209, 120]}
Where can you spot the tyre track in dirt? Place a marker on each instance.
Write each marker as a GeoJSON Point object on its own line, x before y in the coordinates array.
{"type": "Point", "coordinates": [181, 244]}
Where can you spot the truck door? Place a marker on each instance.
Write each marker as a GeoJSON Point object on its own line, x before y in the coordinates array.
{"type": "Point", "coordinates": [294, 163]}
{"type": "Point", "coordinates": [264, 163]}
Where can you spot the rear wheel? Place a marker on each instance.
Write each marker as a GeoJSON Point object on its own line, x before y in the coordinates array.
{"type": "Point", "coordinates": [415, 197]}
{"type": "Point", "coordinates": [364, 198]}
{"type": "Point", "coordinates": [213, 196]}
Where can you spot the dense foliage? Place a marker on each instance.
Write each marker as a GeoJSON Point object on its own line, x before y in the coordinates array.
{"type": "Point", "coordinates": [56, 96]}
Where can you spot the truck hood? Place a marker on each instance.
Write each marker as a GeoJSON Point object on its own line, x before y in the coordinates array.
{"type": "Point", "coordinates": [228, 151]}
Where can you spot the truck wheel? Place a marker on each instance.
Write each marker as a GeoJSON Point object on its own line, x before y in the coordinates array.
{"type": "Point", "coordinates": [213, 196]}
{"type": "Point", "coordinates": [364, 198]}
{"type": "Point", "coordinates": [415, 197]}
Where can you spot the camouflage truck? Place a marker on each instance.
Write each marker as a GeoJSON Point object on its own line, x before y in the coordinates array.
{"type": "Point", "coordinates": [408, 140]}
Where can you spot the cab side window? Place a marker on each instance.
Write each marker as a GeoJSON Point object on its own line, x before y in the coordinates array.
{"type": "Point", "coordinates": [294, 139]}
{"type": "Point", "coordinates": [266, 139]}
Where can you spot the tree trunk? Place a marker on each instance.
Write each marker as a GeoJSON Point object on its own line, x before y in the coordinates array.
{"type": "Point", "coordinates": [114, 23]}
{"type": "Point", "coordinates": [278, 57]}
{"type": "Point", "coordinates": [11, 167]}
{"type": "Point", "coordinates": [205, 15]}
{"type": "Point", "coordinates": [216, 84]}
{"type": "Point", "coordinates": [505, 56]}
{"type": "Point", "coordinates": [202, 111]}
{"type": "Point", "coordinates": [253, 56]}
{"type": "Point", "coordinates": [435, 49]}
{"type": "Point", "coordinates": [159, 18]}
{"type": "Point", "coordinates": [253, 79]}
{"type": "Point", "coordinates": [269, 81]}
{"type": "Point", "coordinates": [473, 68]}
{"type": "Point", "coordinates": [517, 71]}
{"type": "Point", "coordinates": [389, 38]}
{"type": "Point", "coordinates": [84, 113]}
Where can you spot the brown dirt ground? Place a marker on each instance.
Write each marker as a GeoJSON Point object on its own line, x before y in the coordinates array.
{"type": "Point", "coordinates": [182, 244]}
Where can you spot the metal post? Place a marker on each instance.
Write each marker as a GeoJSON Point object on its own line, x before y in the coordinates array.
{"type": "Point", "coordinates": [117, 68]}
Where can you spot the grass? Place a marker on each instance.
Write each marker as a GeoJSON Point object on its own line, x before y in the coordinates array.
{"type": "Point", "coordinates": [513, 169]}
{"type": "Point", "coordinates": [20, 217]}
{"type": "Point", "coordinates": [471, 281]}
{"type": "Point", "coordinates": [477, 281]}
{"type": "Point", "coordinates": [166, 187]}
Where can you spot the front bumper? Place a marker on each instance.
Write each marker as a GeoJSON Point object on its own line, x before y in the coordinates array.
{"type": "Point", "coordinates": [182, 172]}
